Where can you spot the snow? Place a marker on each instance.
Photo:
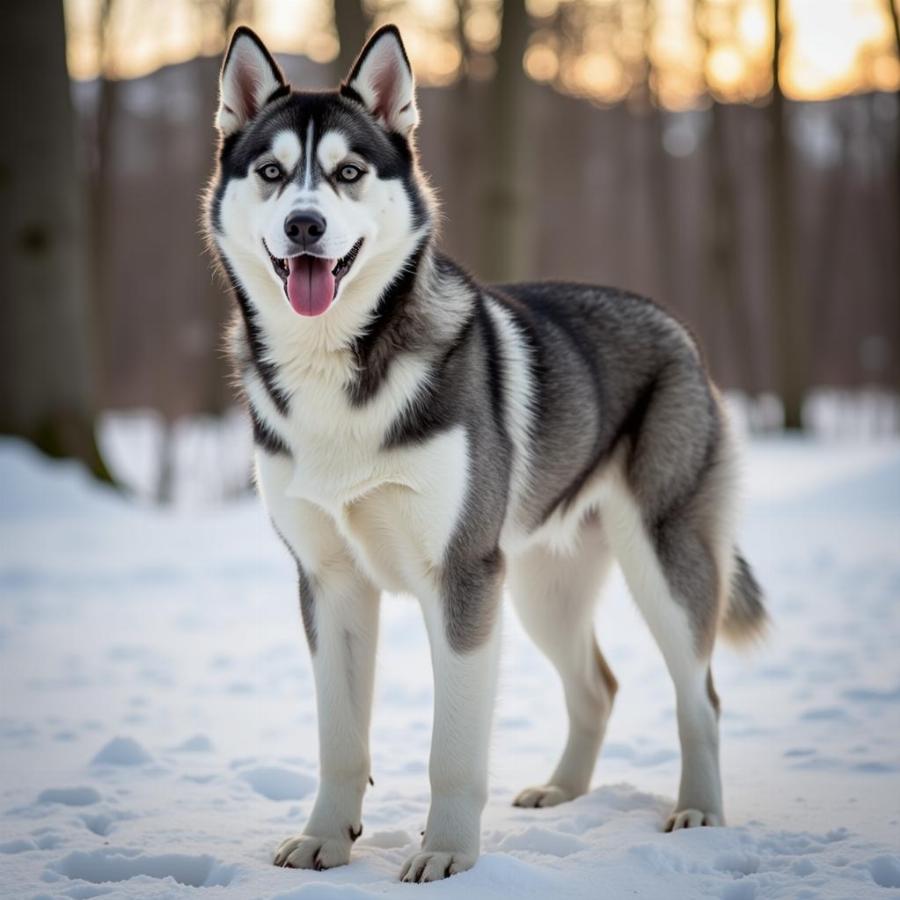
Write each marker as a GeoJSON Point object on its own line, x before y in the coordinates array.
{"type": "Point", "coordinates": [158, 725]}
{"type": "Point", "coordinates": [79, 796]}
{"type": "Point", "coordinates": [122, 751]}
{"type": "Point", "coordinates": [279, 783]}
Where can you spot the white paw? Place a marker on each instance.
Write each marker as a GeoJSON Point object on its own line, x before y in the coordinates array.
{"type": "Point", "coordinates": [433, 866]}
{"type": "Point", "coordinates": [692, 818]}
{"type": "Point", "coordinates": [306, 851]}
{"type": "Point", "coordinates": [545, 795]}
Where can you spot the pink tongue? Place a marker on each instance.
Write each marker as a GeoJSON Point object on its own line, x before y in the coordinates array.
{"type": "Point", "coordinates": [310, 284]}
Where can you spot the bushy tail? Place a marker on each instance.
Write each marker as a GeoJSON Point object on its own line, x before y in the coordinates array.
{"type": "Point", "coordinates": [746, 618]}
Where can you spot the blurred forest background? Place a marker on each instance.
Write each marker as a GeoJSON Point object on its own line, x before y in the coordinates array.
{"type": "Point", "coordinates": [737, 160]}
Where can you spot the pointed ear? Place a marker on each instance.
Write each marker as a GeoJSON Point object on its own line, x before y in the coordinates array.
{"type": "Point", "coordinates": [250, 78]}
{"type": "Point", "coordinates": [382, 79]}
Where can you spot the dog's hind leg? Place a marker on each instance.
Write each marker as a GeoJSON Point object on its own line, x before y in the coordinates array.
{"type": "Point", "coordinates": [670, 532]}
{"type": "Point", "coordinates": [555, 596]}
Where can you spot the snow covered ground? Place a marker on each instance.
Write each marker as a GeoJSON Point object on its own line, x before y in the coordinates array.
{"type": "Point", "coordinates": [157, 720]}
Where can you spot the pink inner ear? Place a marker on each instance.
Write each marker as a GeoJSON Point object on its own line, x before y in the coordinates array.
{"type": "Point", "coordinates": [385, 83]}
{"type": "Point", "coordinates": [247, 86]}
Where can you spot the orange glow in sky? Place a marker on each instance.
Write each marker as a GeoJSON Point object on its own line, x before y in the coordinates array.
{"type": "Point", "coordinates": [831, 47]}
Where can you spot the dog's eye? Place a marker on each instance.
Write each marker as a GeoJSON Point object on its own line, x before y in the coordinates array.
{"type": "Point", "coordinates": [349, 173]}
{"type": "Point", "coordinates": [269, 172]}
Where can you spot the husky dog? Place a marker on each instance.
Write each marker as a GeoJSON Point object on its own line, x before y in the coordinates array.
{"type": "Point", "coordinates": [417, 432]}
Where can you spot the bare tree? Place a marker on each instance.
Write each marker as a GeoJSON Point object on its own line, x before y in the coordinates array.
{"type": "Point", "coordinates": [352, 21]}
{"type": "Point", "coordinates": [46, 350]}
{"type": "Point", "coordinates": [228, 13]}
{"type": "Point", "coordinates": [723, 288]}
{"type": "Point", "coordinates": [100, 168]}
{"type": "Point", "coordinates": [790, 338]}
{"type": "Point", "coordinates": [895, 21]}
{"type": "Point", "coordinates": [505, 251]}
{"type": "Point", "coordinates": [664, 219]}
{"type": "Point", "coordinates": [217, 393]}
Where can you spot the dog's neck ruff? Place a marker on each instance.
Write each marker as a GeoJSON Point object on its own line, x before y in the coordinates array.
{"type": "Point", "coordinates": [420, 307]}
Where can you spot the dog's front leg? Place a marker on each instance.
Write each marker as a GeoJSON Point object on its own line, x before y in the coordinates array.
{"type": "Point", "coordinates": [464, 633]}
{"type": "Point", "coordinates": [340, 615]}
{"type": "Point", "coordinates": [342, 625]}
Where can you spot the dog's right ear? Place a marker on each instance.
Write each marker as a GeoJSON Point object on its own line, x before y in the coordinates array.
{"type": "Point", "coordinates": [250, 79]}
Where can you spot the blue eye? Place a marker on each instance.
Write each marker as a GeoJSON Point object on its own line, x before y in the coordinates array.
{"type": "Point", "coordinates": [349, 173]}
{"type": "Point", "coordinates": [269, 172]}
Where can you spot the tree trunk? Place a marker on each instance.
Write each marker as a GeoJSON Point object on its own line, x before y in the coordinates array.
{"type": "Point", "coordinates": [895, 21]}
{"type": "Point", "coordinates": [660, 168]}
{"type": "Point", "coordinates": [505, 252]}
{"type": "Point", "coordinates": [790, 338]}
{"type": "Point", "coordinates": [46, 348]}
{"type": "Point", "coordinates": [215, 367]}
{"type": "Point", "coordinates": [723, 288]}
{"type": "Point", "coordinates": [100, 202]}
{"type": "Point", "coordinates": [352, 21]}
{"type": "Point", "coordinates": [722, 246]}
{"type": "Point", "coordinates": [463, 138]}
{"type": "Point", "coordinates": [167, 456]}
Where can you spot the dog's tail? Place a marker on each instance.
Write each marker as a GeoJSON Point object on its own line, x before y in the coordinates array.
{"type": "Point", "coordinates": [745, 619]}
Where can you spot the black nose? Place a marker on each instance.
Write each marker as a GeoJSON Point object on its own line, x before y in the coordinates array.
{"type": "Point", "coordinates": [304, 226]}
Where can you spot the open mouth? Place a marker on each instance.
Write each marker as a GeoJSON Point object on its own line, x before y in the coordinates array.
{"type": "Point", "coordinates": [311, 282]}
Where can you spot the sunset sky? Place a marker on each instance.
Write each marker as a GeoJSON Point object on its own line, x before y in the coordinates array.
{"type": "Point", "coordinates": [831, 47]}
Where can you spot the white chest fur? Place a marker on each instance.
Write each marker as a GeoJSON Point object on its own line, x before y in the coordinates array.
{"type": "Point", "coordinates": [395, 508]}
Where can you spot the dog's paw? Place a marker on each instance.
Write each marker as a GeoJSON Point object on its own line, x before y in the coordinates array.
{"type": "Point", "coordinates": [306, 851]}
{"type": "Point", "coordinates": [544, 795]}
{"type": "Point", "coordinates": [433, 866]}
{"type": "Point", "coordinates": [692, 818]}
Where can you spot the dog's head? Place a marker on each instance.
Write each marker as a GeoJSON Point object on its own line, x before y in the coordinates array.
{"type": "Point", "coordinates": [317, 198]}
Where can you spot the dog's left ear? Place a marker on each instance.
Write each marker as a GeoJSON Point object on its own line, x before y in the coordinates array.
{"type": "Point", "coordinates": [250, 78]}
{"type": "Point", "coordinates": [382, 79]}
